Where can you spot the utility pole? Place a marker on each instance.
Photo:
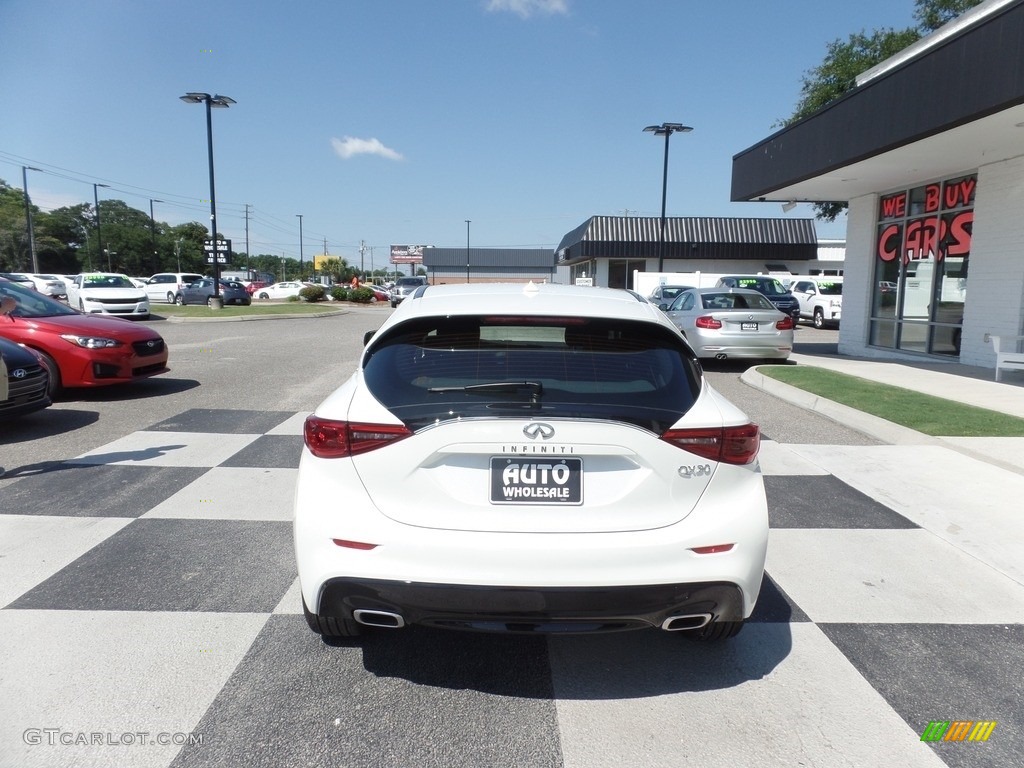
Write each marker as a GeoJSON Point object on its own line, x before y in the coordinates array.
{"type": "Point", "coordinates": [362, 250]}
{"type": "Point", "coordinates": [248, 274]}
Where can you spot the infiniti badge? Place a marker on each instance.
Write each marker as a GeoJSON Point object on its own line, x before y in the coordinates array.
{"type": "Point", "coordinates": [537, 429]}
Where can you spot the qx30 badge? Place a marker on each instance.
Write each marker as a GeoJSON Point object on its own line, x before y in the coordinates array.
{"type": "Point", "coordinates": [536, 429]}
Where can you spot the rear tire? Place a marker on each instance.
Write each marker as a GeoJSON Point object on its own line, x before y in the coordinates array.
{"type": "Point", "coordinates": [179, 300]}
{"type": "Point", "coordinates": [329, 626]}
{"type": "Point", "coordinates": [264, 296]}
{"type": "Point", "coordinates": [53, 386]}
{"type": "Point", "coordinates": [170, 297]}
{"type": "Point", "coordinates": [819, 318]}
{"type": "Point", "coordinates": [716, 631]}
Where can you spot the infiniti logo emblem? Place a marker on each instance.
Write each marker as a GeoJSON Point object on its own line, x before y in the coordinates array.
{"type": "Point", "coordinates": [539, 429]}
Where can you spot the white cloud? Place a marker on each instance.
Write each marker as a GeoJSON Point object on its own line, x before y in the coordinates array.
{"type": "Point", "coordinates": [350, 146]}
{"type": "Point", "coordinates": [527, 8]}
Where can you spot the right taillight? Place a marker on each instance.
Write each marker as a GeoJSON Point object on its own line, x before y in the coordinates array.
{"type": "Point", "coordinates": [330, 439]}
{"type": "Point", "coordinates": [707, 321]}
{"type": "Point", "coordinates": [785, 324]}
{"type": "Point", "coordinates": [732, 445]}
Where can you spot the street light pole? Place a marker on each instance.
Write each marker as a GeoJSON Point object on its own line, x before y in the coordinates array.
{"type": "Point", "coordinates": [99, 231]}
{"type": "Point", "coordinates": [152, 235]}
{"type": "Point", "coordinates": [666, 130]}
{"type": "Point", "coordinates": [467, 251]}
{"type": "Point", "coordinates": [28, 217]}
{"type": "Point", "coordinates": [300, 245]}
{"type": "Point", "coordinates": [222, 102]}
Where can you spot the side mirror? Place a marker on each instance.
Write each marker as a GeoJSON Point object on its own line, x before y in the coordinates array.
{"type": "Point", "coordinates": [367, 336]}
{"type": "Point", "coordinates": [663, 306]}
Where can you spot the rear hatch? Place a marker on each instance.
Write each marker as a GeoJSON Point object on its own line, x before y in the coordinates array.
{"type": "Point", "coordinates": [537, 427]}
{"type": "Point", "coordinates": [489, 475]}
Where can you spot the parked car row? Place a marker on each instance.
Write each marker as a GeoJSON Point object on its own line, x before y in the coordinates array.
{"type": "Point", "coordinates": [73, 348]}
{"type": "Point", "coordinates": [818, 299]}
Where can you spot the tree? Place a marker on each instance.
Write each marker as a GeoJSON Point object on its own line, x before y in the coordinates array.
{"type": "Point", "coordinates": [844, 61]}
{"type": "Point", "coordinates": [14, 250]}
{"type": "Point", "coordinates": [932, 14]}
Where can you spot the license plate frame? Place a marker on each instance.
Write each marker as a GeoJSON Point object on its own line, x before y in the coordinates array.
{"type": "Point", "coordinates": [518, 480]}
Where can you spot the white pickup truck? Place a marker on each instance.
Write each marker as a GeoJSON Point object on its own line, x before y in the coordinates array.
{"type": "Point", "coordinates": [820, 298]}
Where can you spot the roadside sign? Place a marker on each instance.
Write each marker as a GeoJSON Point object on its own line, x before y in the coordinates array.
{"type": "Point", "coordinates": [223, 251]}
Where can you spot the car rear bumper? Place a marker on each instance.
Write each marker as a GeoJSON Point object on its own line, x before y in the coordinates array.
{"type": "Point", "coordinates": [520, 609]}
{"type": "Point", "coordinates": [450, 575]}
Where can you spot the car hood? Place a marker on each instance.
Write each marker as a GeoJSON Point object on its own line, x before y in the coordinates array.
{"type": "Point", "coordinates": [130, 294]}
{"type": "Point", "coordinates": [15, 355]}
{"type": "Point", "coordinates": [89, 325]}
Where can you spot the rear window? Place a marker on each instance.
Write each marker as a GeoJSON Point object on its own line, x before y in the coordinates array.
{"type": "Point", "coordinates": [735, 301]}
{"type": "Point", "coordinates": [437, 369]}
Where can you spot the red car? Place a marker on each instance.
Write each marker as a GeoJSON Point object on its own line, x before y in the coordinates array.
{"type": "Point", "coordinates": [81, 350]}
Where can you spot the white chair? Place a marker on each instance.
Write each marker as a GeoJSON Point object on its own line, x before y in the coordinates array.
{"type": "Point", "coordinates": [1008, 354]}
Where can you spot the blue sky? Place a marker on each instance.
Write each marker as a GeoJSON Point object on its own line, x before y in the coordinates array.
{"type": "Point", "coordinates": [394, 121]}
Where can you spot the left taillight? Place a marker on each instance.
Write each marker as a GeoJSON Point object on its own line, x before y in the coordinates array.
{"type": "Point", "coordinates": [732, 445]}
{"type": "Point", "coordinates": [330, 439]}
{"type": "Point", "coordinates": [785, 324]}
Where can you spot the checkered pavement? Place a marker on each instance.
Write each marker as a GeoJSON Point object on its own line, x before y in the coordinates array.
{"type": "Point", "coordinates": [148, 594]}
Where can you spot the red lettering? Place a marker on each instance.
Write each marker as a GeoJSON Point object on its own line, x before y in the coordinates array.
{"type": "Point", "coordinates": [889, 243]}
{"type": "Point", "coordinates": [960, 230]}
{"type": "Point", "coordinates": [932, 197]}
{"type": "Point", "coordinates": [961, 193]}
{"type": "Point", "coordinates": [921, 239]}
{"type": "Point", "coordinates": [894, 206]}
{"type": "Point", "coordinates": [967, 190]}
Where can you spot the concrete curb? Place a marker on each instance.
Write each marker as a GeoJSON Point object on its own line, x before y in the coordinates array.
{"type": "Point", "coordinates": [872, 426]}
{"type": "Point", "coordinates": [243, 318]}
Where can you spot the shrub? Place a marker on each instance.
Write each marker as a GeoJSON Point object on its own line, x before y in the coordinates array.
{"type": "Point", "coordinates": [361, 295]}
{"type": "Point", "coordinates": [312, 293]}
{"type": "Point", "coordinates": [339, 293]}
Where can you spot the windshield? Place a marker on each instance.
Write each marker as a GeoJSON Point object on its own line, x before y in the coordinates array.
{"type": "Point", "coordinates": [437, 369]}
{"type": "Point", "coordinates": [766, 285]}
{"type": "Point", "coordinates": [31, 303]}
{"type": "Point", "coordinates": [830, 289]}
{"type": "Point", "coordinates": [106, 281]}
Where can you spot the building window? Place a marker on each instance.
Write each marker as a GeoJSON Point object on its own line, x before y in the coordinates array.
{"type": "Point", "coordinates": [921, 258]}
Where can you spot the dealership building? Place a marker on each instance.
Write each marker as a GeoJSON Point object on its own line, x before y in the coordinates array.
{"type": "Point", "coordinates": [928, 151]}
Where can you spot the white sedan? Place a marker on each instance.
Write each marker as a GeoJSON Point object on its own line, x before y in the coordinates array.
{"type": "Point", "coordinates": [538, 458]}
{"type": "Point", "coordinates": [279, 290]}
{"type": "Point", "coordinates": [107, 293]}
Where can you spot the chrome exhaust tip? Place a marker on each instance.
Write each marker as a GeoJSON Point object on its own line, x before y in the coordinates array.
{"type": "Point", "coordinates": [685, 622]}
{"type": "Point", "coordinates": [374, 618]}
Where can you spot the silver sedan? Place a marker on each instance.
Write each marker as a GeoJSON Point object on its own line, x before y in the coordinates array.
{"type": "Point", "coordinates": [725, 323]}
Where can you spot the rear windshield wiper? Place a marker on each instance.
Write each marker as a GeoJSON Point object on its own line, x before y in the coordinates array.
{"type": "Point", "coordinates": [535, 388]}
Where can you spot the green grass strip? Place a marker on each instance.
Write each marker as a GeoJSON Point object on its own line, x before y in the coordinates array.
{"type": "Point", "coordinates": [930, 415]}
